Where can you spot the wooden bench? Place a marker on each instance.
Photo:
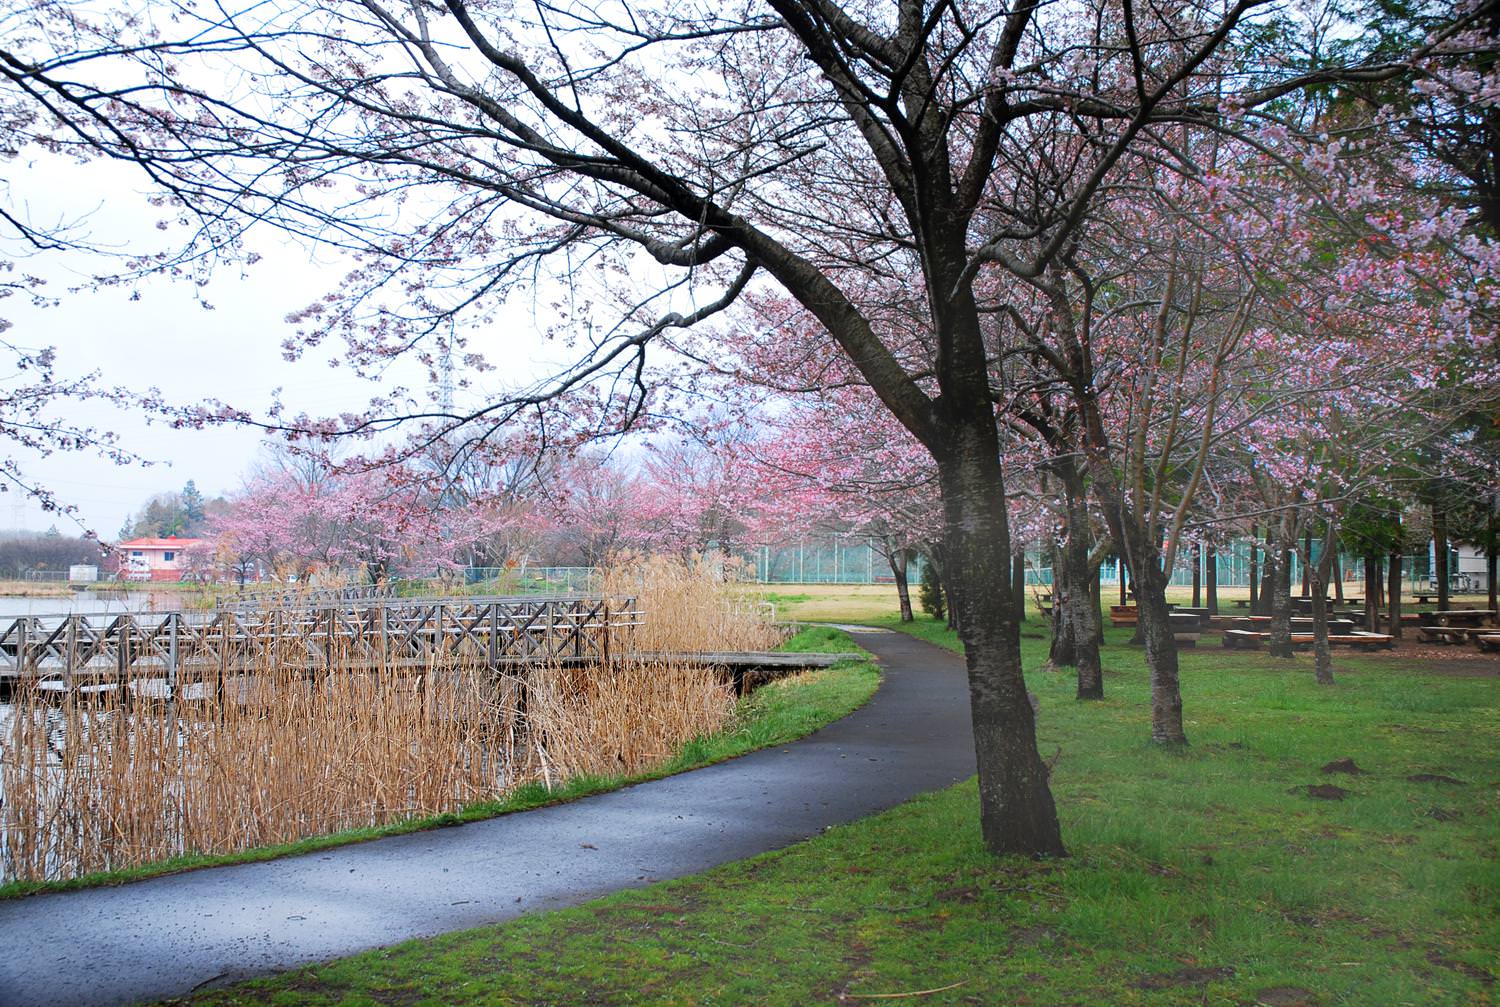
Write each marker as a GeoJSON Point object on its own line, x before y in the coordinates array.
{"type": "Point", "coordinates": [1442, 634]}
{"type": "Point", "coordinates": [1368, 641]}
{"type": "Point", "coordinates": [1463, 617]}
{"type": "Point", "coordinates": [1243, 639]}
{"type": "Point", "coordinates": [1123, 615]}
{"type": "Point", "coordinates": [1487, 641]}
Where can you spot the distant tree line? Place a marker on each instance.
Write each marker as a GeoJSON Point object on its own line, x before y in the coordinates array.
{"type": "Point", "coordinates": [24, 551]}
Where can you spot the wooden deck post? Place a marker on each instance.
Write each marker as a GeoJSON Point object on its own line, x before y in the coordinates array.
{"type": "Point", "coordinates": [172, 621]}
{"type": "Point", "coordinates": [70, 655]}
{"type": "Point", "coordinates": [493, 644]}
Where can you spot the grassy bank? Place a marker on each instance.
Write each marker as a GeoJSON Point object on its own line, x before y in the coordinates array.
{"type": "Point", "coordinates": [778, 712]}
{"type": "Point", "coordinates": [1209, 876]}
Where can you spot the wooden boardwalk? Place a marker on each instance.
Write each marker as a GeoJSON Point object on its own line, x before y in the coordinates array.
{"type": "Point", "coordinates": [380, 634]}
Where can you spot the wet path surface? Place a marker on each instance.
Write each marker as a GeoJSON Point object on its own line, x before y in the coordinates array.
{"type": "Point", "coordinates": [170, 935]}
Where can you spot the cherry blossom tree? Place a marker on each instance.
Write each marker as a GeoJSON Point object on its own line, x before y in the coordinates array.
{"type": "Point", "coordinates": [839, 153]}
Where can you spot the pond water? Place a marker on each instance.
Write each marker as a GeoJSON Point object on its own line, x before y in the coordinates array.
{"type": "Point", "coordinates": [89, 602]}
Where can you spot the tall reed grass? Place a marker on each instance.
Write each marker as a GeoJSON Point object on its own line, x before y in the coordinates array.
{"type": "Point", "coordinates": [124, 776]}
{"type": "Point", "coordinates": [691, 604]}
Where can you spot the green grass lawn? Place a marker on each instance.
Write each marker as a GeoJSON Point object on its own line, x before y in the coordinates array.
{"type": "Point", "coordinates": [1203, 877]}
{"type": "Point", "coordinates": [776, 713]}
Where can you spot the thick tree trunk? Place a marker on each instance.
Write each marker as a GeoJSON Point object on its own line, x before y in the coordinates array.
{"type": "Point", "coordinates": [1307, 544]}
{"type": "Point", "coordinates": [1322, 652]}
{"type": "Point", "coordinates": [1372, 580]}
{"type": "Point", "coordinates": [1281, 602]}
{"type": "Point", "coordinates": [1096, 596]}
{"type": "Point", "coordinates": [1490, 551]}
{"type": "Point", "coordinates": [1017, 814]}
{"type": "Point", "coordinates": [1393, 594]}
{"type": "Point", "coordinates": [1254, 572]}
{"type": "Point", "coordinates": [1063, 653]}
{"type": "Point", "coordinates": [1018, 582]}
{"type": "Point", "coordinates": [1197, 575]}
{"type": "Point", "coordinates": [1212, 577]}
{"type": "Point", "coordinates": [1268, 578]}
{"type": "Point", "coordinates": [1124, 583]}
{"type": "Point", "coordinates": [897, 559]}
{"type": "Point", "coordinates": [1440, 555]}
{"type": "Point", "coordinates": [1338, 578]}
{"type": "Point", "coordinates": [1083, 612]}
{"type": "Point", "coordinates": [1161, 658]}
{"type": "Point", "coordinates": [1154, 626]}
{"type": "Point", "coordinates": [1489, 576]}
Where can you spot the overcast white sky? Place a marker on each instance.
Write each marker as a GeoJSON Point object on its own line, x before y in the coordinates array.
{"type": "Point", "coordinates": [164, 338]}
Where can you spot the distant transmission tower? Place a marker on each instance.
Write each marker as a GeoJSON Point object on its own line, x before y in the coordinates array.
{"type": "Point", "coordinates": [445, 376]}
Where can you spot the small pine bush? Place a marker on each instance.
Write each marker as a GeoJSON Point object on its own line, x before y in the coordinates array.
{"type": "Point", "coordinates": [930, 595]}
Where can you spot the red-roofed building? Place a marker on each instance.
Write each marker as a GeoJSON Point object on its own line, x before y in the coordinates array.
{"type": "Point", "coordinates": [156, 558]}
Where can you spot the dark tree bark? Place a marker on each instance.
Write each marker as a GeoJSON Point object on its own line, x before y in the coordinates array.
{"type": "Point", "coordinates": [1096, 593]}
{"type": "Point", "coordinates": [1017, 813]}
{"type": "Point", "coordinates": [1372, 578]}
{"type": "Point", "coordinates": [1254, 572]}
{"type": "Point", "coordinates": [1440, 554]}
{"type": "Point", "coordinates": [1161, 656]}
{"type": "Point", "coordinates": [1075, 615]}
{"type": "Point", "coordinates": [1018, 582]}
{"type": "Point", "coordinates": [1211, 573]}
{"type": "Point", "coordinates": [1338, 577]}
{"type": "Point", "coordinates": [1318, 582]}
{"type": "Point", "coordinates": [1268, 577]}
{"type": "Point", "coordinates": [1154, 625]}
{"type": "Point", "coordinates": [1393, 594]}
{"type": "Point", "coordinates": [1307, 544]}
{"type": "Point", "coordinates": [1063, 652]}
{"type": "Point", "coordinates": [1197, 575]}
{"type": "Point", "coordinates": [1124, 583]}
{"type": "Point", "coordinates": [1083, 612]}
{"type": "Point", "coordinates": [1280, 569]}
{"type": "Point", "coordinates": [1490, 563]}
{"type": "Point", "coordinates": [898, 560]}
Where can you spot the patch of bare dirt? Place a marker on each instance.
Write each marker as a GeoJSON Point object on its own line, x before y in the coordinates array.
{"type": "Point", "coordinates": [1286, 996]}
{"type": "Point", "coordinates": [1344, 765]}
{"type": "Point", "coordinates": [1456, 660]}
{"type": "Point", "coordinates": [1191, 975]}
{"type": "Point", "coordinates": [1027, 937]}
{"type": "Point", "coordinates": [1463, 968]}
{"type": "Point", "coordinates": [965, 894]}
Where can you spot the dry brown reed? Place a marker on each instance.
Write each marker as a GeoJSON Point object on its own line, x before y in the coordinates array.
{"type": "Point", "coordinates": [690, 604]}
{"type": "Point", "coordinates": [124, 776]}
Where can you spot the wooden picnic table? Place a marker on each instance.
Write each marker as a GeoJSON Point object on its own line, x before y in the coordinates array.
{"type": "Point", "coordinates": [1255, 623]}
{"type": "Point", "coordinates": [1459, 617]}
{"type": "Point", "coordinates": [1244, 639]}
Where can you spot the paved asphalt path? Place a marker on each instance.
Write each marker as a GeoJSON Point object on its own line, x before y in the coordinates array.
{"type": "Point", "coordinates": [170, 935]}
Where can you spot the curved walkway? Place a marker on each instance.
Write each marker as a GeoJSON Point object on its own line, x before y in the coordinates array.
{"type": "Point", "coordinates": [170, 935]}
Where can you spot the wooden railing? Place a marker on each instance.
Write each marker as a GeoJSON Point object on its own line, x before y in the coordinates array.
{"type": "Point", "coordinates": [375, 633]}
